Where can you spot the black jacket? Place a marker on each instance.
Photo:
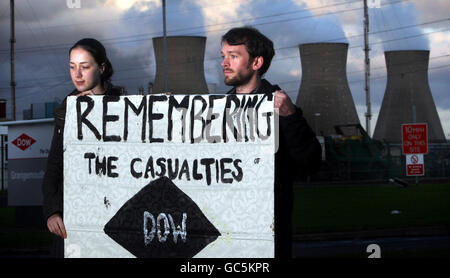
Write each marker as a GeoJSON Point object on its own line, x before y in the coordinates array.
{"type": "Point", "coordinates": [299, 153]}
{"type": "Point", "coordinates": [299, 156]}
{"type": "Point", "coordinates": [52, 185]}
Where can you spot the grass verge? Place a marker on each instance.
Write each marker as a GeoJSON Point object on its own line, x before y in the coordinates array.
{"type": "Point", "coordinates": [336, 209]}
{"type": "Point", "coordinates": [25, 239]}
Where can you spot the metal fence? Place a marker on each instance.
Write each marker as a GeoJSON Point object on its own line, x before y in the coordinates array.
{"type": "Point", "coordinates": [378, 161]}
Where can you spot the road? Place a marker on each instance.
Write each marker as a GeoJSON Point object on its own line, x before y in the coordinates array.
{"type": "Point", "coordinates": [391, 247]}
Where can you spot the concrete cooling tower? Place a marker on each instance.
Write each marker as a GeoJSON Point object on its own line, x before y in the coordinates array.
{"type": "Point", "coordinates": [324, 94]}
{"type": "Point", "coordinates": [407, 95]}
{"type": "Point", "coordinates": [184, 64]}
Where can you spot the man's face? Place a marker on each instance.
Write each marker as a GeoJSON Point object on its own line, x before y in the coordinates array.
{"type": "Point", "coordinates": [236, 64]}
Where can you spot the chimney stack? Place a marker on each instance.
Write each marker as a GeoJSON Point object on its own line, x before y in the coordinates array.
{"type": "Point", "coordinates": [324, 94]}
{"type": "Point", "coordinates": [185, 70]}
{"type": "Point", "coordinates": [407, 98]}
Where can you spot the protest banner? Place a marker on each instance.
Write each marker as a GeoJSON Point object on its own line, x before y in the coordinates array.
{"type": "Point", "coordinates": [169, 176]}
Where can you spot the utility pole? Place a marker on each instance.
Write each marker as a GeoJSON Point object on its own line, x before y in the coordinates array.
{"type": "Point", "coordinates": [13, 82]}
{"type": "Point", "coordinates": [367, 67]}
{"type": "Point", "coordinates": [166, 85]}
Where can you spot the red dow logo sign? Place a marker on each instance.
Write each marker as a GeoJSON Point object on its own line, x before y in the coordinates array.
{"type": "Point", "coordinates": [23, 142]}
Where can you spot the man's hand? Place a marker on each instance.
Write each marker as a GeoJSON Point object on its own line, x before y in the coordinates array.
{"type": "Point", "coordinates": [56, 226]}
{"type": "Point", "coordinates": [283, 104]}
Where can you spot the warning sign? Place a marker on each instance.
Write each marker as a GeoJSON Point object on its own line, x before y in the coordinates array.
{"type": "Point", "coordinates": [415, 138]}
{"type": "Point", "coordinates": [415, 165]}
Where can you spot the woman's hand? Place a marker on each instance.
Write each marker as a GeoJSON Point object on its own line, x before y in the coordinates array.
{"type": "Point", "coordinates": [85, 93]}
{"type": "Point", "coordinates": [56, 226]}
{"type": "Point", "coordinates": [88, 93]}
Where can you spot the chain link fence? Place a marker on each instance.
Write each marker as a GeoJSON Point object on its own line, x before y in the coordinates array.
{"type": "Point", "coordinates": [361, 158]}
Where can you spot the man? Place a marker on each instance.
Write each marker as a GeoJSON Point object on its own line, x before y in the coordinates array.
{"type": "Point", "coordinates": [246, 55]}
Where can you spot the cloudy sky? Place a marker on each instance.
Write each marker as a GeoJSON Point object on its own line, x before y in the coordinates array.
{"type": "Point", "coordinates": [45, 30]}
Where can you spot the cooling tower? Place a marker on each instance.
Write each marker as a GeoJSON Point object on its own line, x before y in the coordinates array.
{"type": "Point", "coordinates": [324, 94]}
{"type": "Point", "coordinates": [407, 93]}
{"type": "Point", "coordinates": [184, 64]}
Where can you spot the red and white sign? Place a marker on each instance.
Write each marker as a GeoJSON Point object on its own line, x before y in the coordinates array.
{"type": "Point", "coordinates": [415, 165]}
{"type": "Point", "coordinates": [415, 138]}
{"type": "Point", "coordinates": [23, 142]}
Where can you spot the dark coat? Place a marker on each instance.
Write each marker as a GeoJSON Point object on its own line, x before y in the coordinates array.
{"type": "Point", "coordinates": [52, 185]}
{"type": "Point", "coordinates": [299, 156]}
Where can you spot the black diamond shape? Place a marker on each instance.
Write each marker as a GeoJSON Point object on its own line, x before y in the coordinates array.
{"type": "Point", "coordinates": [163, 205]}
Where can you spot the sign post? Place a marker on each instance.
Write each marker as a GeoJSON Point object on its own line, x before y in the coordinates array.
{"type": "Point", "coordinates": [415, 145]}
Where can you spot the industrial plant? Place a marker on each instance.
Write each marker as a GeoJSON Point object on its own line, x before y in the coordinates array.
{"type": "Point", "coordinates": [324, 94]}
{"type": "Point", "coordinates": [349, 152]}
{"type": "Point", "coordinates": [184, 73]}
{"type": "Point", "coordinates": [407, 98]}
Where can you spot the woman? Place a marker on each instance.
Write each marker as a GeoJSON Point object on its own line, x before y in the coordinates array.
{"type": "Point", "coordinates": [90, 71]}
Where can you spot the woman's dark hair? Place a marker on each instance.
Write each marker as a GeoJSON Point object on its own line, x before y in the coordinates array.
{"type": "Point", "coordinates": [97, 51]}
{"type": "Point", "coordinates": [256, 44]}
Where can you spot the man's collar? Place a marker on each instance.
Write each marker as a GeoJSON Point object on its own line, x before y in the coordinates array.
{"type": "Point", "coordinates": [263, 88]}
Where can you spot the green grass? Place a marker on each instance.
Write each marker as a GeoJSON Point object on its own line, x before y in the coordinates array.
{"type": "Point", "coordinates": [25, 239]}
{"type": "Point", "coordinates": [7, 217]}
{"type": "Point", "coordinates": [333, 209]}
{"type": "Point", "coordinates": [11, 237]}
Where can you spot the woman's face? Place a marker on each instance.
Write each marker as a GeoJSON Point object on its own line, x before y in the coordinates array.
{"type": "Point", "coordinates": [84, 70]}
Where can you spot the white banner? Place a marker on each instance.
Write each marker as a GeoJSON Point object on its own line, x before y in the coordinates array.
{"type": "Point", "coordinates": [169, 176]}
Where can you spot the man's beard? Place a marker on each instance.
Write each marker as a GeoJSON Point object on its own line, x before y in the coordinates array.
{"type": "Point", "coordinates": [241, 78]}
{"type": "Point", "coordinates": [238, 80]}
